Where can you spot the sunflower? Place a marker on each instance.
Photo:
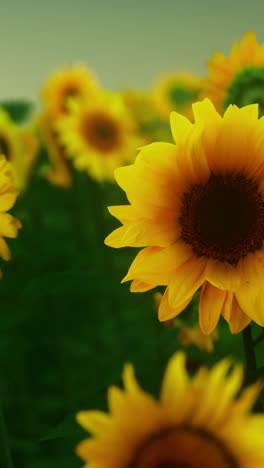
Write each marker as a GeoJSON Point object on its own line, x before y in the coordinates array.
{"type": "Point", "coordinates": [67, 83]}
{"type": "Point", "coordinates": [19, 146]}
{"type": "Point", "coordinates": [176, 92]}
{"type": "Point", "coordinates": [239, 78]}
{"type": "Point", "coordinates": [9, 225]}
{"type": "Point", "coordinates": [198, 208]}
{"type": "Point", "coordinates": [197, 422]}
{"type": "Point", "coordinates": [59, 173]}
{"type": "Point", "coordinates": [98, 134]}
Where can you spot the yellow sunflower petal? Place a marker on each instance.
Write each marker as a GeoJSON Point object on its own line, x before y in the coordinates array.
{"type": "Point", "coordinates": [123, 213]}
{"type": "Point", "coordinates": [158, 158]}
{"type": "Point", "coordinates": [4, 250]}
{"type": "Point", "coordinates": [166, 312]}
{"type": "Point", "coordinates": [142, 187]}
{"type": "Point", "coordinates": [89, 448]}
{"type": "Point", "coordinates": [227, 391]}
{"type": "Point", "coordinates": [155, 264]}
{"type": "Point", "coordinates": [246, 400]}
{"type": "Point", "coordinates": [7, 200]}
{"type": "Point", "coordinates": [222, 275]}
{"type": "Point", "coordinates": [8, 225]}
{"type": "Point", "coordinates": [140, 398]}
{"type": "Point", "coordinates": [233, 314]}
{"type": "Point", "coordinates": [250, 296]}
{"type": "Point", "coordinates": [191, 160]}
{"type": "Point", "coordinates": [116, 400]}
{"type": "Point", "coordinates": [205, 112]}
{"type": "Point", "coordinates": [171, 396]}
{"type": "Point", "coordinates": [180, 127]}
{"type": "Point", "coordinates": [186, 280]}
{"type": "Point", "coordinates": [93, 421]}
{"type": "Point", "coordinates": [141, 286]}
{"type": "Point", "coordinates": [214, 385]}
{"type": "Point", "coordinates": [210, 307]}
{"type": "Point", "coordinates": [140, 234]}
{"type": "Point", "coordinates": [197, 154]}
{"type": "Point", "coordinates": [249, 44]}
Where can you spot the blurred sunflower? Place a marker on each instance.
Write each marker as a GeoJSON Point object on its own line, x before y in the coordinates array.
{"type": "Point", "coordinates": [198, 208]}
{"type": "Point", "coordinates": [75, 82]}
{"type": "Point", "coordinates": [194, 336]}
{"type": "Point", "coordinates": [19, 146]}
{"type": "Point", "coordinates": [98, 134]}
{"type": "Point", "coordinates": [238, 78]}
{"type": "Point", "coordinates": [176, 92]}
{"type": "Point", "coordinates": [198, 422]}
{"type": "Point", "coordinates": [9, 225]}
{"type": "Point", "coordinates": [59, 173]}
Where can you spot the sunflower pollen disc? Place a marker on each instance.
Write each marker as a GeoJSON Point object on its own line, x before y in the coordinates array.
{"type": "Point", "coordinates": [70, 92]}
{"type": "Point", "coordinates": [224, 218]}
{"type": "Point", "coordinates": [183, 447]}
{"type": "Point", "coordinates": [101, 131]}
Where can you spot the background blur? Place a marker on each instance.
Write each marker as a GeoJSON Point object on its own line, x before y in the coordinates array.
{"type": "Point", "coordinates": [126, 43]}
{"type": "Point", "coordinates": [67, 326]}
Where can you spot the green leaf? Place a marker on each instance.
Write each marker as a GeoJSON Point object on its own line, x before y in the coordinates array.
{"type": "Point", "coordinates": [66, 428]}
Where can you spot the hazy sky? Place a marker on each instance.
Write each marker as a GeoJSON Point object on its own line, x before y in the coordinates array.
{"type": "Point", "coordinates": [127, 43]}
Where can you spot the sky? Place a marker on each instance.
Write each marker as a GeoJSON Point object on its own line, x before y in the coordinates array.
{"type": "Point", "coordinates": [127, 43]}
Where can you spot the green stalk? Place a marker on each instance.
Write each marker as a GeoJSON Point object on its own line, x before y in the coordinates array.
{"type": "Point", "coordinates": [5, 455]}
{"type": "Point", "coordinates": [259, 338]}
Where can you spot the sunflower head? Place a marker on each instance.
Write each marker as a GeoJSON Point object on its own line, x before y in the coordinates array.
{"type": "Point", "coordinates": [58, 173]}
{"type": "Point", "coordinates": [176, 92]}
{"type": "Point", "coordinates": [98, 134]}
{"type": "Point", "coordinates": [197, 422]}
{"type": "Point", "coordinates": [66, 84]}
{"type": "Point", "coordinates": [198, 208]}
{"type": "Point", "coordinates": [239, 77]}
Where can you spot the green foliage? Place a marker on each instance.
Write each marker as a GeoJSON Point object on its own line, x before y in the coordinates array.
{"type": "Point", "coordinates": [19, 111]}
{"type": "Point", "coordinates": [246, 88]}
{"type": "Point", "coordinates": [68, 325]}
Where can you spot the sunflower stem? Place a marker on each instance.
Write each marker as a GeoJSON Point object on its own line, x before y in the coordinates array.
{"type": "Point", "coordinates": [5, 455]}
{"type": "Point", "coordinates": [259, 338]}
{"type": "Point", "coordinates": [249, 351]}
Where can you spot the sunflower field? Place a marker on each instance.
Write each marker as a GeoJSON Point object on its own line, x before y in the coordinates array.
{"type": "Point", "coordinates": [161, 190]}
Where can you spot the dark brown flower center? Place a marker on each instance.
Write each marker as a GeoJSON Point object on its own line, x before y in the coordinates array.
{"type": "Point", "coordinates": [69, 92]}
{"type": "Point", "coordinates": [170, 465]}
{"type": "Point", "coordinates": [4, 147]}
{"type": "Point", "coordinates": [101, 132]}
{"type": "Point", "coordinates": [183, 447]}
{"type": "Point", "coordinates": [224, 218]}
